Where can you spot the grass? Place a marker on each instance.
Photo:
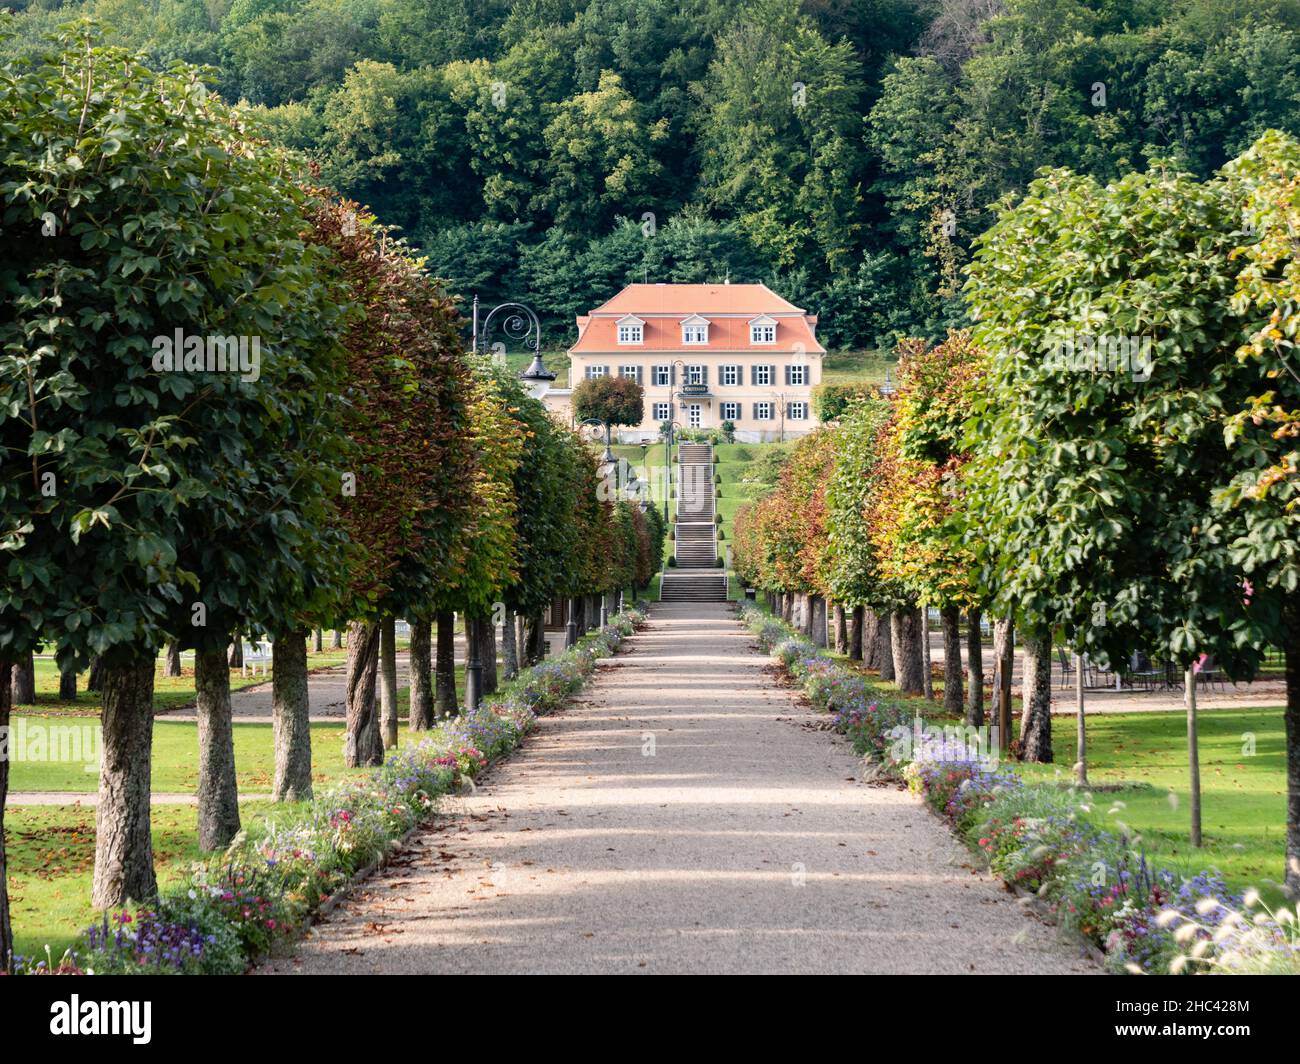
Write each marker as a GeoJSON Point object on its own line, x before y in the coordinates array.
{"type": "Point", "coordinates": [51, 856]}
{"type": "Point", "coordinates": [846, 367]}
{"type": "Point", "coordinates": [175, 758]}
{"type": "Point", "coordinates": [1138, 763]}
{"type": "Point", "coordinates": [1243, 792]}
{"type": "Point", "coordinates": [169, 692]}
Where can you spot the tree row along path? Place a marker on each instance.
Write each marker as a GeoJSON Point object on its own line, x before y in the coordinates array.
{"type": "Point", "coordinates": [684, 815]}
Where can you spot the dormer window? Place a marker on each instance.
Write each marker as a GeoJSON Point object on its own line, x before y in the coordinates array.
{"type": "Point", "coordinates": [762, 330]}
{"type": "Point", "coordinates": [695, 330]}
{"type": "Point", "coordinates": [631, 330]}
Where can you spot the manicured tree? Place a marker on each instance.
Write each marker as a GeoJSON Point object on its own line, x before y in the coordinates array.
{"type": "Point", "coordinates": [404, 500]}
{"type": "Point", "coordinates": [848, 559]}
{"type": "Point", "coordinates": [1260, 506]}
{"type": "Point", "coordinates": [614, 400]}
{"type": "Point", "coordinates": [145, 212]}
{"type": "Point", "coordinates": [1099, 441]}
{"type": "Point", "coordinates": [546, 532]}
{"type": "Point", "coordinates": [921, 542]}
{"type": "Point", "coordinates": [890, 492]}
{"type": "Point", "coordinates": [485, 553]}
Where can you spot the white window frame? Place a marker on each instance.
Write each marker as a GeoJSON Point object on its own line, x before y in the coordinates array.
{"type": "Point", "coordinates": [634, 374]}
{"type": "Point", "coordinates": [762, 334]}
{"type": "Point", "coordinates": [661, 411]}
{"type": "Point", "coordinates": [799, 411]}
{"type": "Point", "coordinates": [760, 414]}
{"type": "Point", "coordinates": [801, 371]}
{"type": "Point", "coordinates": [730, 411]}
{"type": "Point", "coordinates": [694, 374]}
{"type": "Point", "coordinates": [595, 373]}
{"type": "Point", "coordinates": [695, 334]}
{"type": "Point", "coordinates": [667, 372]}
{"type": "Point", "coordinates": [733, 371]}
{"type": "Point", "coordinates": [763, 371]}
{"type": "Point", "coordinates": [631, 334]}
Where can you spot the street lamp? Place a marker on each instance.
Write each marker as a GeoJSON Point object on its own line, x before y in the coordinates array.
{"type": "Point", "coordinates": [668, 463]}
{"type": "Point", "coordinates": [887, 389]}
{"type": "Point", "coordinates": [517, 322]}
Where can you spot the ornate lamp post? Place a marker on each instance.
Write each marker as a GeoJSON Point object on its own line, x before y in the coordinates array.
{"type": "Point", "coordinates": [517, 322]}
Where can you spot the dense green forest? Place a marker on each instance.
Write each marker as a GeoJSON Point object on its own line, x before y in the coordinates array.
{"type": "Point", "coordinates": [846, 152]}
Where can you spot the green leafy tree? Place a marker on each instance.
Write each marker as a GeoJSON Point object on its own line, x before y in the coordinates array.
{"type": "Point", "coordinates": [146, 213]}
{"type": "Point", "coordinates": [613, 400]}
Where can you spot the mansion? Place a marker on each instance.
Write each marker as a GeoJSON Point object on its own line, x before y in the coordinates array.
{"type": "Point", "coordinates": [704, 354]}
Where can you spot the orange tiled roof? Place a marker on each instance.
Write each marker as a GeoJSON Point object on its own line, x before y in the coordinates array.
{"type": "Point", "coordinates": [727, 306]}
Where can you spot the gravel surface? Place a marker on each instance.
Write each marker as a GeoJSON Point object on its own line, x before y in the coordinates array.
{"type": "Point", "coordinates": [686, 815]}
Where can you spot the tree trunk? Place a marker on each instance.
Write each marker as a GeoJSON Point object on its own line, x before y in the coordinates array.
{"type": "Point", "coordinates": [291, 716]}
{"type": "Point", "coordinates": [24, 681]}
{"type": "Point", "coordinates": [236, 652]}
{"type": "Point", "coordinates": [1193, 755]}
{"type": "Point", "coordinates": [1080, 726]}
{"type": "Point", "coordinates": [1291, 648]}
{"type": "Point", "coordinates": [388, 680]}
{"type": "Point", "coordinates": [1004, 656]}
{"type": "Point", "coordinates": [319, 642]}
{"type": "Point", "coordinates": [68, 684]}
{"type": "Point", "coordinates": [445, 671]}
{"type": "Point", "coordinates": [337, 641]}
{"type": "Point", "coordinates": [1036, 692]}
{"type": "Point", "coordinates": [421, 714]}
{"type": "Point", "coordinates": [363, 744]}
{"type": "Point", "coordinates": [509, 646]}
{"type": "Point", "coordinates": [123, 843]}
{"type": "Point", "coordinates": [817, 620]}
{"type": "Point", "coordinates": [787, 607]}
{"type": "Point", "coordinates": [842, 640]}
{"type": "Point", "coordinates": [537, 639]}
{"type": "Point", "coordinates": [905, 634]}
{"type": "Point", "coordinates": [487, 648]}
{"type": "Point", "coordinates": [870, 639]}
{"type": "Point", "coordinates": [218, 790]}
{"type": "Point", "coordinates": [521, 640]}
{"type": "Point", "coordinates": [927, 672]}
{"type": "Point", "coordinates": [855, 650]}
{"type": "Point", "coordinates": [953, 701]}
{"type": "Point", "coordinates": [6, 928]}
{"type": "Point", "coordinates": [173, 663]}
{"type": "Point", "coordinates": [885, 645]}
{"type": "Point", "coordinates": [95, 681]}
{"type": "Point", "coordinates": [974, 670]}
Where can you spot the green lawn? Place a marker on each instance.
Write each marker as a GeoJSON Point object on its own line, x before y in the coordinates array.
{"type": "Point", "coordinates": [846, 367]}
{"type": "Point", "coordinates": [1243, 793]}
{"type": "Point", "coordinates": [175, 757]}
{"type": "Point", "coordinates": [51, 855]}
{"type": "Point", "coordinates": [1138, 763]}
{"type": "Point", "coordinates": [170, 692]}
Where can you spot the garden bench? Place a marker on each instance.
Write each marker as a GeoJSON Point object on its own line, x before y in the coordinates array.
{"type": "Point", "coordinates": [258, 653]}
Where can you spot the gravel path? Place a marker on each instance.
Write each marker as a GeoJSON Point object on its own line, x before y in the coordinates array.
{"type": "Point", "coordinates": [685, 816]}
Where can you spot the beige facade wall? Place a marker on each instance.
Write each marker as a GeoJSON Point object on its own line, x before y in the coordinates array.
{"type": "Point", "coordinates": [724, 398]}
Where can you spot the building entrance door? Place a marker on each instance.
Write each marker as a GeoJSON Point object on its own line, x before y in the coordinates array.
{"type": "Point", "coordinates": [694, 415]}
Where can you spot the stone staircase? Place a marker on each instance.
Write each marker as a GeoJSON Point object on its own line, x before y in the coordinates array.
{"type": "Point", "coordinates": [696, 577]}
